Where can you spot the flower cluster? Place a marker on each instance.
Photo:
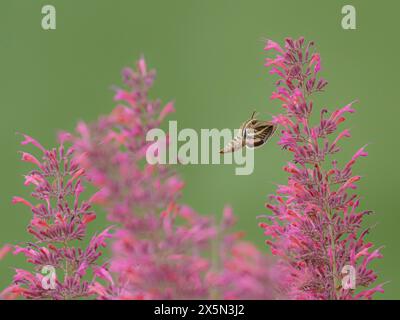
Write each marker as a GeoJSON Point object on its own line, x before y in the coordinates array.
{"type": "Point", "coordinates": [8, 293]}
{"type": "Point", "coordinates": [162, 249]}
{"type": "Point", "coordinates": [59, 221]}
{"type": "Point", "coordinates": [315, 228]}
{"type": "Point", "coordinates": [4, 250]}
{"type": "Point", "coordinates": [245, 272]}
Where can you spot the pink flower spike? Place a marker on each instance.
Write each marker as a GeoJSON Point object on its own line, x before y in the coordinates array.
{"type": "Point", "coordinates": [315, 228]}
{"type": "Point", "coordinates": [30, 140]}
{"type": "Point", "coordinates": [27, 157]}
{"type": "Point", "coordinates": [271, 45]}
{"type": "Point", "coordinates": [34, 179]}
{"type": "Point", "coordinates": [336, 115]}
{"type": "Point", "coordinates": [367, 294]}
{"type": "Point", "coordinates": [11, 293]}
{"type": "Point", "coordinates": [16, 200]}
{"type": "Point", "coordinates": [64, 137]}
{"type": "Point", "coordinates": [169, 108]}
{"type": "Point", "coordinates": [228, 219]}
{"type": "Point", "coordinates": [161, 248]}
{"type": "Point", "coordinates": [98, 289]}
{"type": "Point", "coordinates": [142, 67]}
{"type": "Point", "coordinates": [174, 184]}
{"type": "Point", "coordinates": [344, 133]}
{"type": "Point", "coordinates": [360, 153]}
{"type": "Point", "coordinates": [102, 273]}
{"type": "Point", "coordinates": [276, 95]}
{"type": "Point", "coordinates": [59, 218]}
{"type": "Point", "coordinates": [316, 59]}
{"type": "Point", "coordinates": [4, 250]}
{"type": "Point", "coordinates": [276, 71]}
{"type": "Point", "coordinates": [100, 197]}
{"type": "Point", "coordinates": [89, 218]}
{"type": "Point", "coordinates": [83, 130]}
{"type": "Point", "coordinates": [278, 61]}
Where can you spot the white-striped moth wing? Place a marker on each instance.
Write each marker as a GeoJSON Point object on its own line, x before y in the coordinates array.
{"type": "Point", "coordinates": [253, 133]}
{"type": "Point", "coordinates": [259, 133]}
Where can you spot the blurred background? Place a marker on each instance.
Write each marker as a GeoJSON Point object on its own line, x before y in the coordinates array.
{"type": "Point", "coordinates": [209, 58]}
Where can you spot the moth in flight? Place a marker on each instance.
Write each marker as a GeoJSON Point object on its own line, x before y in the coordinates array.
{"type": "Point", "coordinates": [253, 133]}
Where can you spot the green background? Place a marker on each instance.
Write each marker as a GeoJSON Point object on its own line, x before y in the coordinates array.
{"type": "Point", "coordinates": [209, 57]}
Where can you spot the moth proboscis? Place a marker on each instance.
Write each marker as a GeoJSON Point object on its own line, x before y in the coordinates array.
{"type": "Point", "coordinates": [253, 133]}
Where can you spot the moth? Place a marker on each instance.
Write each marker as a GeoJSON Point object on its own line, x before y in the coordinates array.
{"type": "Point", "coordinates": [253, 133]}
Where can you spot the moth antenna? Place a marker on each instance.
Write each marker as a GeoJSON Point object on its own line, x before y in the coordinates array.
{"type": "Point", "coordinates": [253, 114]}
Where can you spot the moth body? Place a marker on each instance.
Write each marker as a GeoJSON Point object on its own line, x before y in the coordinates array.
{"type": "Point", "coordinates": [253, 133]}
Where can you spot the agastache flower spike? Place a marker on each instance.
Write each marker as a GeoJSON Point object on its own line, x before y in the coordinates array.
{"type": "Point", "coordinates": [315, 227]}
{"type": "Point", "coordinates": [58, 218]}
{"type": "Point", "coordinates": [11, 292]}
{"type": "Point", "coordinates": [161, 246]}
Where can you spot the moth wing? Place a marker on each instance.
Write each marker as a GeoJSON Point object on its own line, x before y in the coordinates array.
{"type": "Point", "coordinates": [260, 134]}
{"type": "Point", "coordinates": [242, 129]}
{"type": "Point", "coordinates": [235, 144]}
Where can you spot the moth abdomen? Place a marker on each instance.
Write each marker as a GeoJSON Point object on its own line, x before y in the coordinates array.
{"type": "Point", "coordinates": [253, 133]}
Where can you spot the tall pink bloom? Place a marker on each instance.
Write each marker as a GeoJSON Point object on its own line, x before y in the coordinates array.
{"type": "Point", "coordinates": [4, 250]}
{"type": "Point", "coordinates": [162, 248]}
{"type": "Point", "coordinates": [59, 222]}
{"type": "Point", "coordinates": [10, 292]}
{"type": "Point", "coordinates": [315, 228]}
